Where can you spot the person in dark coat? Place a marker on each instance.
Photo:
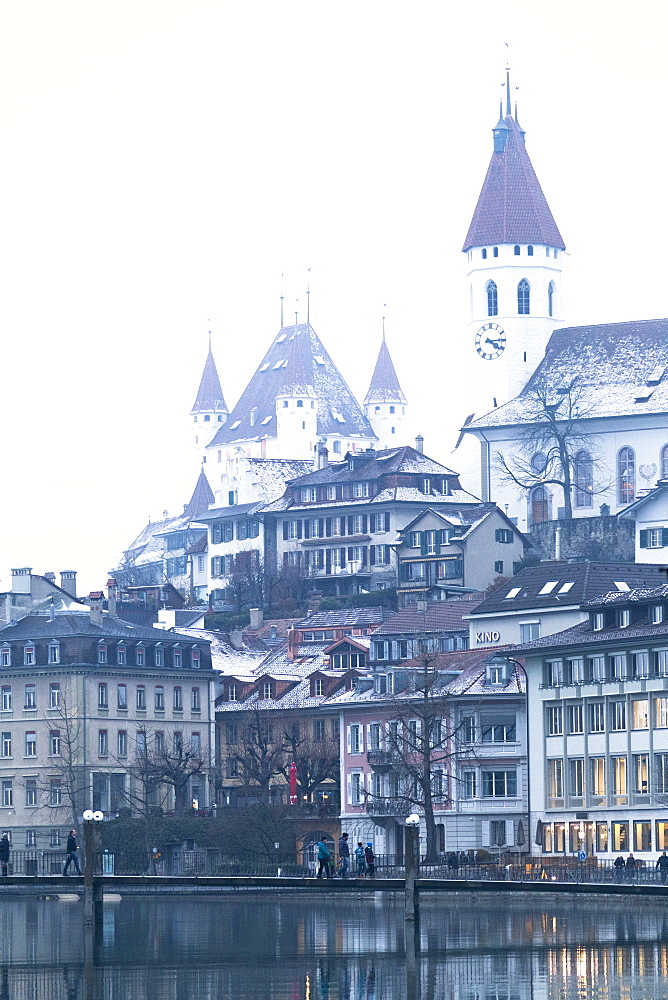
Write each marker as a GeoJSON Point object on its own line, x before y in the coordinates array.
{"type": "Point", "coordinates": [344, 855]}
{"type": "Point", "coordinates": [662, 865]}
{"type": "Point", "coordinates": [324, 860]}
{"type": "Point", "coordinates": [370, 859]}
{"type": "Point", "coordinates": [631, 865]}
{"type": "Point", "coordinates": [4, 853]}
{"type": "Point", "coordinates": [72, 853]}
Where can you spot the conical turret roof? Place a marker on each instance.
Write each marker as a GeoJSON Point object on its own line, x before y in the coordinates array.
{"type": "Point", "coordinates": [384, 387]}
{"type": "Point", "coordinates": [512, 207]}
{"type": "Point", "coordinates": [201, 499]}
{"type": "Point", "coordinates": [210, 394]}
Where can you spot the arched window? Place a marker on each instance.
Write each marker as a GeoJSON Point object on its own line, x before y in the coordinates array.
{"type": "Point", "coordinates": [484, 255]}
{"type": "Point", "coordinates": [539, 461]}
{"type": "Point", "coordinates": [517, 250]}
{"type": "Point", "coordinates": [495, 251]}
{"type": "Point", "coordinates": [523, 295]}
{"type": "Point", "coordinates": [626, 475]}
{"type": "Point", "coordinates": [337, 448]}
{"type": "Point", "coordinates": [530, 251]}
{"type": "Point", "coordinates": [492, 299]}
{"type": "Point", "coordinates": [540, 505]}
{"type": "Point", "coordinates": [550, 299]}
{"type": "Point", "coordinates": [583, 476]}
{"type": "Point", "coordinates": [664, 462]}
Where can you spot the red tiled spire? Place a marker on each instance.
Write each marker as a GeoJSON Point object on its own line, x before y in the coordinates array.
{"type": "Point", "coordinates": [512, 207]}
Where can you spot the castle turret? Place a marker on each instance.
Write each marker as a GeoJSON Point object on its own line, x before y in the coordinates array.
{"type": "Point", "coordinates": [209, 409]}
{"type": "Point", "coordinates": [296, 402]}
{"type": "Point", "coordinates": [385, 403]}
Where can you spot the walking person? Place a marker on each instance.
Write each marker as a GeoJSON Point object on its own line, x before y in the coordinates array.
{"type": "Point", "coordinates": [344, 856]}
{"type": "Point", "coordinates": [619, 865]}
{"type": "Point", "coordinates": [661, 864]}
{"type": "Point", "coordinates": [370, 860]}
{"type": "Point", "coordinates": [72, 853]}
{"type": "Point", "coordinates": [631, 865]}
{"type": "Point", "coordinates": [4, 854]}
{"type": "Point", "coordinates": [324, 860]}
{"type": "Point", "coordinates": [359, 858]}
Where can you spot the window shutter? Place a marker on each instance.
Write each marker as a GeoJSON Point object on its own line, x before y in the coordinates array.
{"type": "Point", "coordinates": [423, 542]}
{"type": "Point", "coordinates": [349, 789]}
{"type": "Point", "coordinates": [321, 527]}
{"type": "Point", "coordinates": [372, 555]}
{"type": "Point", "coordinates": [510, 833]}
{"type": "Point", "coordinates": [328, 527]}
{"type": "Point", "coordinates": [307, 528]}
{"type": "Point", "coordinates": [350, 525]}
{"type": "Point", "coordinates": [643, 538]}
{"type": "Point", "coordinates": [285, 531]}
{"type": "Point", "coordinates": [285, 559]}
{"type": "Point", "coordinates": [387, 520]}
{"type": "Point", "coordinates": [497, 535]}
{"type": "Point", "coordinates": [328, 561]}
{"type": "Point", "coordinates": [386, 550]}
{"type": "Point", "coordinates": [364, 555]}
{"type": "Point", "coordinates": [213, 566]}
{"type": "Point", "coordinates": [664, 537]}
{"type": "Point", "coordinates": [365, 521]}
{"type": "Point", "coordinates": [299, 529]}
{"type": "Point", "coordinates": [485, 833]}
{"type": "Point", "coordinates": [350, 553]}
{"type": "Point", "coordinates": [343, 557]}
{"type": "Point", "coordinates": [349, 741]}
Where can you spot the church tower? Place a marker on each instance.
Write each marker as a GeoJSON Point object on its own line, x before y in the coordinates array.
{"type": "Point", "coordinates": [209, 409]}
{"type": "Point", "coordinates": [514, 254]}
{"type": "Point", "coordinates": [385, 403]}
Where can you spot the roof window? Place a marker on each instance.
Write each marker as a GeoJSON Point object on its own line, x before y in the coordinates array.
{"type": "Point", "coordinates": [565, 587]}
{"type": "Point", "coordinates": [281, 338]}
{"type": "Point", "coordinates": [512, 593]}
{"type": "Point", "coordinates": [319, 360]}
{"type": "Point", "coordinates": [234, 425]}
{"type": "Point", "coordinates": [266, 420]}
{"type": "Point", "coordinates": [548, 588]}
{"type": "Point", "coordinates": [622, 585]}
{"type": "Point", "coordinates": [263, 367]}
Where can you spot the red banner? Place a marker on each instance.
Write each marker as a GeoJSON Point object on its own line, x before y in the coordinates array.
{"type": "Point", "coordinates": [293, 784]}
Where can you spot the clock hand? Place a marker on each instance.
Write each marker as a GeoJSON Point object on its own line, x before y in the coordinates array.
{"type": "Point", "coordinates": [494, 343]}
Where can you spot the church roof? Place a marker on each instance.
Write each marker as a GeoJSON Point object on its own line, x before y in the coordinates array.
{"type": "Point", "coordinates": [296, 363]}
{"type": "Point", "coordinates": [384, 387]}
{"type": "Point", "coordinates": [618, 369]}
{"type": "Point", "coordinates": [210, 394]}
{"type": "Point", "coordinates": [512, 207]}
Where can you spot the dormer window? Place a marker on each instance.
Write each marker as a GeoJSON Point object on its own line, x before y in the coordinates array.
{"type": "Point", "coordinates": [140, 656]}
{"type": "Point", "coordinates": [656, 614]}
{"type": "Point", "coordinates": [318, 687]}
{"type": "Point", "coordinates": [425, 486]}
{"type": "Point", "coordinates": [598, 621]}
{"type": "Point", "coordinates": [120, 654]}
{"type": "Point", "coordinates": [267, 690]}
{"type": "Point", "coordinates": [497, 672]}
{"type": "Point", "coordinates": [624, 618]}
{"type": "Point", "coordinates": [178, 655]}
{"type": "Point", "coordinates": [360, 489]}
{"type": "Point", "coordinates": [54, 652]}
{"type": "Point", "coordinates": [102, 652]}
{"type": "Point", "coordinates": [195, 658]}
{"type": "Point", "coordinates": [232, 692]}
{"type": "Point", "coordinates": [159, 656]}
{"type": "Point", "coordinates": [29, 655]}
{"type": "Point", "coordinates": [6, 656]}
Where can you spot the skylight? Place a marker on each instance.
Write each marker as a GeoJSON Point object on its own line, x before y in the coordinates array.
{"type": "Point", "coordinates": [279, 340]}
{"type": "Point", "coordinates": [565, 587]}
{"type": "Point", "coordinates": [263, 367]}
{"type": "Point", "coordinates": [338, 416]}
{"type": "Point", "coordinates": [266, 420]}
{"type": "Point", "coordinates": [621, 585]}
{"type": "Point", "coordinates": [319, 360]}
{"type": "Point", "coordinates": [548, 588]}
{"type": "Point", "coordinates": [235, 424]}
{"type": "Point", "coordinates": [279, 364]}
{"type": "Point", "coordinates": [512, 593]}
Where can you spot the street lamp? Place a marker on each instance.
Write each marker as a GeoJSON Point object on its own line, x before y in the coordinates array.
{"type": "Point", "coordinates": [412, 840]}
{"type": "Point", "coordinates": [92, 844]}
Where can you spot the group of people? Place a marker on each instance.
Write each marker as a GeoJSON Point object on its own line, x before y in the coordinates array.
{"type": "Point", "coordinates": [72, 854]}
{"type": "Point", "coordinates": [627, 868]}
{"type": "Point", "coordinates": [365, 859]}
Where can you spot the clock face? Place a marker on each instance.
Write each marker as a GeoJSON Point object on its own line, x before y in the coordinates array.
{"type": "Point", "coordinates": [490, 341]}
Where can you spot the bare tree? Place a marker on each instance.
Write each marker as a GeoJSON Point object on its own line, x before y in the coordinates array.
{"type": "Point", "coordinates": [254, 754]}
{"type": "Point", "coordinates": [66, 788]}
{"type": "Point", "coordinates": [316, 759]}
{"type": "Point", "coordinates": [554, 448]}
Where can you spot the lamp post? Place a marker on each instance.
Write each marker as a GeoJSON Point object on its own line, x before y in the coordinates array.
{"type": "Point", "coordinates": [411, 855]}
{"type": "Point", "coordinates": [92, 845]}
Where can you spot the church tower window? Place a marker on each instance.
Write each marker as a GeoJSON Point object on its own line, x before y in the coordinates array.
{"type": "Point", "coordinates": [517, 250]}
{"type": "Point", "coordinates": [540, 505]}
{"type": "Point", "coordinates": [496, 251]}
{"type": "Point", "coordinates": [484, 255]}
{"type": "Point", "coordinates": [550, 299]}
{"type": "Point", "coordinates": [584, 486]}
{"type": "Point", "coordinates": [492, 299]}
{"type": "Point", "coordinates": [523, 297]}
{"type": "Point", "coordinates": [626, 475]}
{"type": "Point", "coordinates": [530, 251]}
{"type": "Point", "coordinates": [664, 462]}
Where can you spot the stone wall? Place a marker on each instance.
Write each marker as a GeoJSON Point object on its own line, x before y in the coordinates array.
{"type": "Point", "coordinates": [599, 539]}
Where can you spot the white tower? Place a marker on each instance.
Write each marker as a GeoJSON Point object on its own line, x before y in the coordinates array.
{"type": "Point", "coordinates": [209, 410]}
{"type": "Point", "coordinates": [297, 402]}
{"type": "Point", "coordinates": [385, 404]}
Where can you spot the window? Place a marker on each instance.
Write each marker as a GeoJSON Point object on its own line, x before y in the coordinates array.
{"type": "Point", "coordinates": [619, 776]}
{"type": "Point", "coordinates": [550, 299]}
{"type": "Point", "coordinates": [196, 744]}
{"type": "Point", "coordinates": [523, 297]}
{"type": "Point", "coordinates": [29, 656]}
{"type": "Point", "coordinates": [576, 777]}
{"type": "Point", "coordinates": [575, 718]}
{"type": "Point", "coordinates": [195, 700]}
{"type": "Point", "coordinates": [530, 251]}
{"type": "Point", "coordinates": [583, 475]}
{"type": "Point", "coordinates": [554, 720]}
{"type": "Point", "coordinates": [374, 736]}
{"type": "Point", "coordinates": [140, 656]}
{"type": "Point", "coordinates": [639, 714]}
{"type": "Point", "coordinates": [318, 687]}
{"type": "Point", "coordinates": [516, 250]}
{"type": "Point", "coordinates": [499, 784]}
{"type": "Point", "coordinates": [356, 788]}
{"type": "Point", "coordinates": [656, 614]}
{"type": "Point", "coordinates": [495, 252]}
{"type": "Point", "coordinates": [122, 743]}
{"type": "Point", "coordinates": [6, 698]}
{"type": "Point", "coordinates": [598, 621]}
{"type": "Point", "coordinates": [360, 489]}
{"type": "Point", "coordinates": [617, 716]}
{"type": "Point", "coordinates": [232, 692]}
{"type": "Point", "coordinates": [484, 254]}
{"type": "Point", "coordinates": [159, 656]}
{"type": "Point", "coordinates": [7, 793]}
{"type": "Point", "coordinates": [102, 652]}
{"type": "Point", "coordinates": [355, 739]}
{"type": "Point", "coordinates": [498, 732]}
{"type": "Point", "coordinates": [641, 664]}
{"type": "Point", "coordinates": [624, 618]}
{"type": "Point", "coordinates": [555, 778]}
{"type": "Point", "coordinates": [55, 792]}
{"type": "Point", "coordinates": [576, 670]}
{"type": "Point", "coordinates": [177, 703]}
{"type": "Point", "coordinates": [30, 696]}
{"type": "Point", "coordinates": [540, 505]}
{"type": "Point", "coordinates": [31, 744]}
{"type": "Point", "coordinates": [641, 773]}
{"type": "Point", "coordinates": [160, 699]}
{"type": "Point", "coordinates": [141, 698]}
{"type": "Point", "coordinates": [498, 566]}
{"type": "Point", "coordinates": [102, 743]}
{"type": "Point", "coordinates": [319, 730]}
{"type": "Point", "coordinates": [54, 743]}
{"type": "Point", "coordinates": [626, 475]}
{"type": "Point", "coordinates": [468, 729]}
{"type": "Point", "coordinates": [54, 652]}
{"type": "Point", "coordinates": [120, 654]}
{"type": "Point", "coordinates": [503, 535]}
{"type": "Point", "coordinates": [597, 717]}
{"type": "Point", "coordinates": [159, 742]}
{"type": "Point", "coordinates": [6, 744]}
{"type": "Point", "coordinates": [555, 672]}
{"type": "Point", "coordinates": [178, 656]}
{"type": "Point", "coordinates": [6, 656]}
{"type": "Point", "coordinates": [469, 784]}
{"type": "Point", "coordinates": [31, 791]}
{"type": "Point", "coordinates": [267, 690]}
{"type": "Point", "coordinates": [178, 742]}
{"type": "Point", "coordinates": [54, 695]}
{"type": "Point", "coordinates": [597, 775]}
{"type": "Point", "coordinates": [102, 695]}
{"type": "Point", "coordinates": [122, 693]}
{"type": "Point", "coordinates": [492, 299]}
{"type": "Point", "coordinates": [231, 733]}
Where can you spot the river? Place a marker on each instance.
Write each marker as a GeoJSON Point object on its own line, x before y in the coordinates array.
{"type": "Point", "coordinates": [483, 947]}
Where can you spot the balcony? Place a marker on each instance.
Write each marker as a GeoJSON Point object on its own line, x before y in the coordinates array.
{"type": "Point", "coordinates": [381, 758]}
{"type": "Point", "coordinates": [387, 807]}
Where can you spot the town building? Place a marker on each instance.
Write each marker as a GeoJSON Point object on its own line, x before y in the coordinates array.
{"type": "Point", "coordinates": [422, 627]}
{"type": "Point", "coordinates": [32, 592]}
{"type": "Point", "coordinates": [649, 512]}
{"type": "Point", "coordinates": [598, 704]}
{"type": "Point", "coordinates": [86, 697]}
{"type": "Point", "coordinates": [548, 598]}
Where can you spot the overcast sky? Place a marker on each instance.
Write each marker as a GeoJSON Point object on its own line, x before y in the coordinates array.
{"type": "Point", "coordinates": [164, 161]}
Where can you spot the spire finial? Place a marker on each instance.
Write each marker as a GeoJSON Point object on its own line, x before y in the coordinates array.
{"type": "Point", "coordinates": [384, 307]}
{"type": "Point", "coordinates": [508, 107]}
{"type": "Point", "coordinates": [209, 338]}
{"type": "Point", "coordinates": [308, 297]}
{"type": "Point", "coordinates": [281, 300]}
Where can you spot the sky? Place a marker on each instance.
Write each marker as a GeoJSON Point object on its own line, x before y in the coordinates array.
{"type": "Point", "coordinates": [163, 163]}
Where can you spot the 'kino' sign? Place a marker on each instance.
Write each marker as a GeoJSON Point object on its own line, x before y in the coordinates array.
{"type": "Point", "coordinates": [487, 636]}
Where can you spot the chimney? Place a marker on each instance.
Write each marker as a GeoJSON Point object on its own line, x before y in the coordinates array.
{"type": "Point", "coordinates": [21, 580]}
{"type": "Point", "coordinates": [323, 455]}
{"type": "Point", "coordinates": [68, 582]}
{"type": "Point", "coordinates": [95, 599]}
{"type": "Point", "coordinates": [419, 444]}
{"type": "Point", "coordinates": [237, 638]}
{"type": "Point", "coordinates": [51, 577]}
{"type": "Point", "coordinates": [111, 597]}
{"type": "Point", "coordinates": [292, 644]}
{"type": "Point", "coordinates": [256, 617]}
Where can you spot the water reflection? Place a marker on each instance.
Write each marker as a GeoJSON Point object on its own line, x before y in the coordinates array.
{"type": "Point", "coordinates": [289, 948]}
